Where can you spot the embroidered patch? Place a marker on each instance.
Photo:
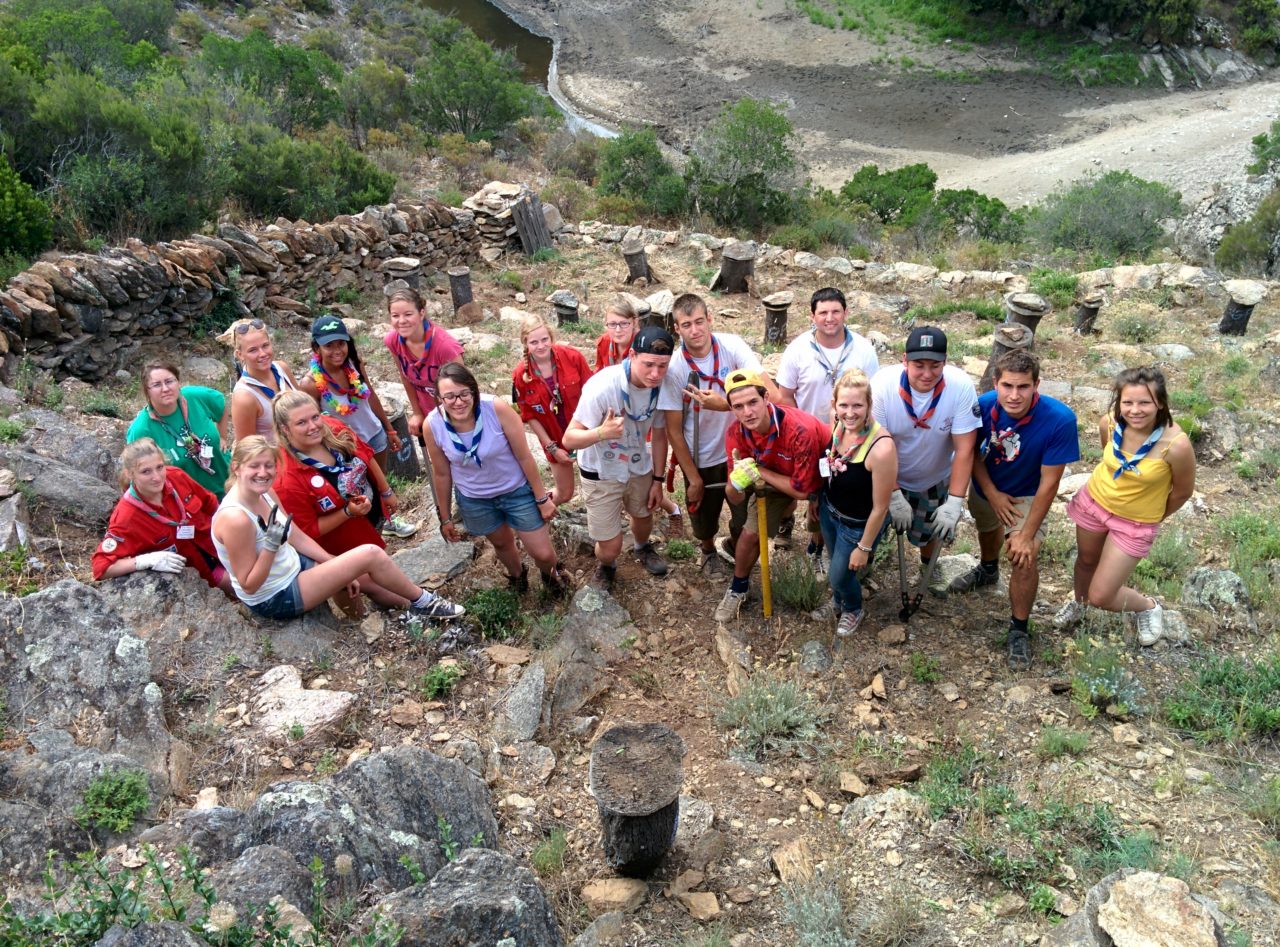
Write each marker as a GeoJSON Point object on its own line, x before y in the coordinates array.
{"type": "Point", "coordinates": [326, 504]}
{"type": "Point", "coordinates": [109, 545]}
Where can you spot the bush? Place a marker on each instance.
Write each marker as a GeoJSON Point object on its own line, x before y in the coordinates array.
{"type": "Point", "coordinates": [1117, 214]}
{"type": "Point", "coordinates": [439, 680]}
{"type": "Point", "coordinates": [496, 611]}
{"type": "Point", "coordinates": [114, 799]}
{"type": "Point", "coordinates": [796, 237]}
{"type": "Point", "coordinates": [469, 87]}
{"type": "Point", "coordinates": [1059, 288]}
{"type": "Point", "coordinates": [770, 715]}
{"type": "Point", "coordinates": [1229, 699]}
{"type": "Point", "coordinates": [547, 858]}
{"type": "Point", "coordinates": [1135, 328]}
{"type": "Point", "coordinates": [26, 226]}
{"type": "Point", "coordinates": [1246, 247]}
{"type": "Point", "coordinates": [573, 153]}
{"type": "Point", "coordinates": [632, 165]}
{"type": "Point", "coordinates": [977, 215]}
{"type": "Point", "coordinates": [899, 196]}
{"type": "Point", "coordinates": [794, 583]}
{"type": "Point", "coordinates": [299, 85]}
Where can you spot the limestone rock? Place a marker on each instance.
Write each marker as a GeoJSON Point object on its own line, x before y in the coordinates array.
{"type": "Point", "coordinates": [52, 435]}
{"type": "Point", "coordinates": [521, 711]}
{"type": "Point", "coordinates": [1151, 910]}
{"type": "Point", "coordinates": [434, 562]}
{"type": "Point", "coordinates": [949, 568]}
{"type": "Point", "coordinates": [282, 703]}
{"type": "Point", "coordinates": [701, 905]}
{"type": "Point", "coordinates": [151, 934]}
{"type": "Point", "coordinates": [15, 526]}
{"type": "Point", "coordinates": [606, 895]}
{"type": "Point", "coordinates": [1221, 593]}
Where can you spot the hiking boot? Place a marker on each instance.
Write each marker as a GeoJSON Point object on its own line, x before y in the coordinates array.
{"type": "Point", "coordinates": [605, 578]}
{"type": "Point", "coordinates": [554, 583]}
{"type": "Point", "coordinates": [395, 526]}
{"type": "Point", "coordinates": [1069, 615]}
{"type": "Point", "coordinates": [825, 612]}
{"type": "Point", "coordinates": [519, 583]}
{"type": "Point", "coordinates": [713, 567]}
{"type": "Point", "coordinates": [848, 624]}
{"type": "Point", "coordinates": [437, 607]}
{"type": "Point", "coordinates": [785, 529]}
{"type": "Point", "coordinates": [1019, 649]}
{"type": "Point", "coordinates": [1150, 625]}
{"type": "Point", "coordinates": [726, 549]}
{"type": "Point", "coordinates": [729, 606]}
{"type": "Point", "coordinates": [648, 557]}
{"type": "Point", "coordinates": [973, 579]}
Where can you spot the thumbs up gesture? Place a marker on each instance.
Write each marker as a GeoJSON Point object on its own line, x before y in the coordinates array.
{"type": "Point", "coordinates": [610, 428]}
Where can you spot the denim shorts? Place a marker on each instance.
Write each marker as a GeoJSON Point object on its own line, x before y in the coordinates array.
{"type": "Point", "coordinates": [378, 443]}
{"type": "Point", "coordinates": [287, 603]}
{"type": "Point", "coordinates": [484, 515]}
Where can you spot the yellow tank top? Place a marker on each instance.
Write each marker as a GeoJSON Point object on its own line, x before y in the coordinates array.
{"type": "Point", "coordinates": [1138, 498]}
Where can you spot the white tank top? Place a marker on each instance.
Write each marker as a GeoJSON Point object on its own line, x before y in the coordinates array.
{"type": "Point", "coordinates": [284, 568]}
{"type": "Point", "coordinates": [264, 425]}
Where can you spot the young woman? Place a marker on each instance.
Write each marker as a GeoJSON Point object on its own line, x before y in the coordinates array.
{"type": "Point", "coordinates": [546, 386]}
{"type": "Point", "coordinates": [189, 424]}
{"type": "Point", "coordinates": [860, 470]}
{"type": "Point", "coordinates": [161, 523]}
{"type": "Point", "coordinates": [281, 572]}
{"type": "Point", "coordinates": [1148, 470]}
{"type": "Point", "coordinates": [261, 379]}
{"type": "Point", "coordinates": [336, 379]}
{"type": "Point", "coordinates": [419, 347]}
{"type": "Point", "coordinates": [478, 451]}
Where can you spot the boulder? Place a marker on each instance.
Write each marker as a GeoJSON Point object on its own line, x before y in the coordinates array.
{"type": "Point", "coordinates": [214, 835]}
{"type": "Point", "coordinates": [76, 494]}
{"type": "Point", "coordinates": [51, 435]}
{"type": "Point", "coordinates": [1147, 910]}
{"type": "Point", "coordinates": [949, 568]}
{"type": "Point", "coordinates": [281, 703]}
{"type": "Point", "coordinates": [1222, 593]}
{"type": "Point", "coordinates": [203, 370]}
{"type": "Point", "coordinates": [594, 628]}
{"type": "Point", "coordinates": [521, 710]}
{"type": "Point", "coordinates": [15, 527]}
{"type": "Point", "coordinates": [433, 562]}
{"type": "Point", "coordinates": [260, 874]}
{"type": "Point", "coordinates": [151, 934]}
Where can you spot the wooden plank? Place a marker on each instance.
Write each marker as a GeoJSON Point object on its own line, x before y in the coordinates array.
{"type": "Point", "coordinates": [531, 225]}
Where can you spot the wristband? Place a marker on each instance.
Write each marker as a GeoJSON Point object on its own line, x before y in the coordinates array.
{"type": "Point", "coordinates": [386, 493]}
{"type": "Point", "coordinates": [543, 500]}
{"type": "Point", "coordinates": [346, 508]}
{"type": "Point", "coordinates": [552, 447]}
{"type": "Point", "coordinates": [866, 549]}
{"type": "Point", "coordinates": [658, 478]}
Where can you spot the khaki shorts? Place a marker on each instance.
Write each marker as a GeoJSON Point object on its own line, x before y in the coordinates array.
{"type": "Point", "coordinates": [608, 499]}
{"type": "Point", "coordinates": [776, 509]}
{"type": "Point", "coordinates": [984, 515]}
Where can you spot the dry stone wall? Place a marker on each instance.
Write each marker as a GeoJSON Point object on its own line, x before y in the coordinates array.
{"type": "Point", "coordinates": [88, 315]}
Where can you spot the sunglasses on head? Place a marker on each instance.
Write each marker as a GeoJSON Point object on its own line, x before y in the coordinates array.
{"type": "Point", "coordinates": [244, 327]}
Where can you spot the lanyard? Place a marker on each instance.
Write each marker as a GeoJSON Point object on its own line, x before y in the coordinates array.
{"type": "Point", "coordinates": [1001, 433]}
{"type": "Point", "coordinates": [1131, 463]}
{"type": "Point", "coordinates": [905, 393]}
{"type": "Point", "coordinates": [749, 437]}
{"type": "Point", "coordinates": [626, 396]}
{"type": "Point", "coordinates": [616, 354]}
{"type": "Point", "coordinates": [552, 383]}
{"type": "Point", "coordinates": [428, 340]}
{"type": "Point", "coordinates": [131, 497]}
{"type": "Point", "coordinates": [468, 453]}
{"type": "Point", "coordinates": [191, 442]}
{"type": "Point", "coordinates": [833, 371]}
{"type": "Point", "coordinates": [261, 386]}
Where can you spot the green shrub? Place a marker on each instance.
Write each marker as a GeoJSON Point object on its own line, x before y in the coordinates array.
{"type": "Point", "coordinates": [1101, 683]}
{"type": "Point", "coordinates": [469, 87]}
{"type": "Point", "coordinates": [1057, 287]}
{"type": "Point", "coordinates": [794, 583]}
{"type": "Point", "coordinates": [439, 680]}
{"type": "Point", "coordinates": [846, 230]}
{"type": "Point", "coordinates": [299, 86]}
{"type": "Point", "coordinates": [816, 914]}
{"type": "Point", "coordinates": [981, 309]}
{"type": "Point", "coordinates": [1246, 246]}
{"type": "Point", "coordinates": [1229, 699]}
{"type": "Point", "coordinates": [678, 550]}
{"type": "Point", "coordinates": [1135, 328]}
{"type": "Point", "coordinates": [573, 153]}
{"type": "Point", "coordinates": [925, 668]}
{"type": "Point", "coordinates": [114, 799]}
{"type": "Point", "coordinates": [11, 430]}
{"type": "Point", "coordinates": [796, 237]}
{"type": "Point", "coordinates": [899, 196]}
{"type": "Point", "coordinates": [1263, 803]}
{"type": "Point", "coordinates": [26, 227]}
{"type": "Point", "coordinates": [547, 858]}
{"type": "Point", "coordinates": [1115, 213]}
{"type": "Point", "coordinates": [770, 715]}
{"type": "Point", "coordinates": [1165, 566]}
{"type": "Point", "coordinates": [1055, 742]}
{"type": "Point", "coordinates": [977, 215]}
{"type": "Point", "coordinates": [496, 612]}
{"type": "Point", "coordinates": [1266, 150]}
{"type": "Point", "coordinates": [633, 166]}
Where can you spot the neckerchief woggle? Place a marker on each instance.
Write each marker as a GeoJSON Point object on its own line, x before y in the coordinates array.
{"type": "Point", "coordinates": [833, 371]}
{"type": "Point", "coordinates": [471, 453]}
{"type": "Point", "coordinates": [1131, 463]}
{"type": "Point", "coordinates": [1002, 432]}
{"type": "Point", "coordinates": [131, 497]}
{"type": "Point", "coordinates": [552, 385]}
{"type": "Point", "coordinates": [626, 397]}
{"type": "Point", "coordinates": [186, 438]}
{"type": "Point", "coordinates": [749, 436]}
{"type": "Point", "coordinates": [712, 379]}
{"type": "Point", "coordinates": [904, 391]}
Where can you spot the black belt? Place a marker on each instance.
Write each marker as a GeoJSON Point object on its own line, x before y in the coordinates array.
{"type": "Point", "coordinates": [588, 474]}
{"type": "Point", "coordinates": [844, 520]}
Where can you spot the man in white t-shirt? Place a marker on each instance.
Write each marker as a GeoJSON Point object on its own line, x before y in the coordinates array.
{"type": "Point", "coordinates": [809, 369]}
{"type": "Point", "coordinates": [931, 409]}
{"type": "Point", "coordinates": [609, 430]}
{"type": "Point", "coordinates": [697, 417]}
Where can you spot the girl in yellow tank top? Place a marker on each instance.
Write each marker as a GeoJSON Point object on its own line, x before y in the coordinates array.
{"type": "Point", "coordinates": [1147, 472]}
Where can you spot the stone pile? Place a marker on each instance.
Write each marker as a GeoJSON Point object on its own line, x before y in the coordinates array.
{"type": "Point", "coordinates": [89, 314]}
{"type": "Point", "coordinates": [495, 221]}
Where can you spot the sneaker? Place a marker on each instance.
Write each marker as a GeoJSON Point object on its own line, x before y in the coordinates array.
{"type": "Point", "coordinates": [519, 583]}
{"type": "Point", "coordinates": [729, 606]}
{"type": "Point", "coordinates": [785, 528]}
{"type": "Point", "coordinates": [395, 526]}
{"type": "Point", "coordinates": [554, 583]}
{"type": "Point", "coordinates": [1019, 650]}
{"type": "Point", "coordinates": [848, 624]}
{"type": "Point", "coordinates": [1069, 615]}
{"type": "Point", "coordinates": [605, 577]}
{"type": "Point", "coordinates": [818, 563]}
{"type": "Point", "coordinates": [726, 549]}
{"type": "Point", "coordinates": [437, 607]}
{"type": "Point", "coordinates": [648, 557]}
{"type": "Point", "coordinates": [825, 612]}
{"type": "Point", "coordinates": [973, 579]}
{"type": "Point", "coordinates": [713, 567]}
{"type": "Point", "coordinates": [1150, 625]}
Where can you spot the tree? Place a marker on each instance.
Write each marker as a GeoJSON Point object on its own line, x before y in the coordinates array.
{"type": "Point", "coordinates": [470, 88]}
{"type": "Point", "coordinates": [299, 85]}
{"type": "Point", "coordinates": [1117, 214]}
{"type": "Point", "coordinates": [898, 196]}
{"type": "Point", "coordinates": [25, 225]}
{"type": "Point", "coordinates": [373, 96]}
{"type": "Point", "coordinates": [633, 165]}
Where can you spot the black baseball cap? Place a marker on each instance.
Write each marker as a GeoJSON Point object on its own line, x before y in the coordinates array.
{"type": "Point", "coordinates": [653, 340]}
{"type": "Point", "coordinates": [927, 342]}
{"type": "Point", "coordinates": [329, 328]}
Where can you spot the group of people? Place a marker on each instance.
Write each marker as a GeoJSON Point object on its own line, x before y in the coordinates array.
{"type": "Point", "coordinates": [293, 515]}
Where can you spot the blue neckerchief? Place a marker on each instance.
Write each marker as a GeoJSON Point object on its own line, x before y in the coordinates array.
{"type": "Point", "coordinates": [626, 397]}
{"type": "Point", "coordinates": [833, 371]}
{"type": "Point", "coordinates": [468, 453]}
{"type": "Point", "coordinates": [1127, 463]}
{"type": "Point", "coordinates": [275, 373]}
{"type": "Point", "coordinates": [337, 468]}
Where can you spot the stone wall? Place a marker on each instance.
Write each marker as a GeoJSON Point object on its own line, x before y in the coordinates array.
{"type": "Point", "coordinates": [88, 315]}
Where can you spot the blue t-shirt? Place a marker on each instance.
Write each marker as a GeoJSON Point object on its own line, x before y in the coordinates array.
{"type": "Point", "coordinates": [1015, 453]}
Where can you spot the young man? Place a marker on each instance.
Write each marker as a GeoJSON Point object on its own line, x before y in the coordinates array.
{"type": "Point", "coordinates": [931, 409]}
{"type": "Point", "coordinates": [809, 369]}
{"type": "Point", "coordinates": [697, 418]}
{"type": "Point", "coordinates": [1027, 440]}
{"type": "Point", "coordinates": [771, 446]}
{"type": "Point", "coordinates": [618, 408]}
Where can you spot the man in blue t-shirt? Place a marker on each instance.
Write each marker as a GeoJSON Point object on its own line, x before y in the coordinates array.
{"type": "Point", "coordinates": [1027, 441]}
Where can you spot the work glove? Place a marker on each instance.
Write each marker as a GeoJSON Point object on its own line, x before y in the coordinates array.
{"type": "Point", "coordinates": [163, 561]}
{"type": "Point", "coordinates": [946, 518]}
{"type": "Point", "coordinates": [900, 512]}
{"type": "Point", "coordinates": [745, 472]}
{"type": "Point", "coordinates": [277, 532]}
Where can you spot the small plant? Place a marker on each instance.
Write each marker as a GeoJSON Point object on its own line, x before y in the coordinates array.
{"type": "Point", "coordinates": [1055, 742]}
{"type": "Point", "coordinates": [1235, 366]}
{"type": "Point", "coordinates": [346, 295]}
{"type": "Point", "coordinates": [794, 583]}
{"type": "Point", "coordinates": [1162, 572]}
{"type": "Point", "coordinates": [1228, 699]}
{"type": "Point", "coordinates": [900, 920]}
{"type": "Point", "coordinates": [511, 280]}
{"type": "Point", "coordinates": [1057, 287]}
{"type": "Point", "coordinates": [439, 680]}
{"type": "Point", "coordinates": [770, 715]}
{"type": "Point", "coordinates": [449, 847]}
{"type": "Point", "coordinates": [547, 255]}
{"type": "Point", "coordinates": [925, 668]}
{"type": "Point", "coordinates": [11, 430]}
{"type": "Point", "coordinates": [101, 403]}
{"type": "Point", "coordinates": [628, 642]}
{"type": "Point", "coordinates": [231, 662]}
{"type": "Point", "coordinates": [1100, 682]}
{"type": "Point", "coordinates": [1135, 328]}
{"type": "Point", "coordinates": [267, 647]}
{"type": "Point", "coordinates": [545, 628]}
{"type": "Point", "coordinates": [647, 683]}
{"type": "Point", "coordinates": [949, 779]}
{"type": "Point", "coordinates": [548, 855]}
{"type": "Point", "coordinates": [817, 914]}
{"type": "Point", "coordinates": [324, 662]}
{"type": "Point", "coordinates": [327, 765]}
{"type": "Point", "coordinates": [678, 550]}
{"type": "Point", "coordinates": [1042, 900]}
{"type": "Point", "coordinates": [496, 611]}
{"type": "Point", "coordinates": [1262, 802]}
{"type": "Point", "coordinates": [704, 273]}
{"type": "Point", "coordinates": [114, 800]}
{"type": "Point", "coordinates": [411, 865]}
{"type": "Point", "coordinates": [295, 732]}
{"type": "Point", "coordinates": [982, 309]}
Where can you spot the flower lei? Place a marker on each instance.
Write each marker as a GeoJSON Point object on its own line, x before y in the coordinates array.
{"type": "Point", "coordinates": [356, 388]}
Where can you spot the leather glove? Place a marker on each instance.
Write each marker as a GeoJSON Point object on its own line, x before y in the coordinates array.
{"type": "Point", "coordinates": [277, 532]}
{"type": "Point", "coordinates": [900, 512]}
{"type": "Point", "coordinates": [163, 561]}
{"type": "Point", "coordinates": [946, 518]}
{"type": "Point", "coordinates": [745, 472]}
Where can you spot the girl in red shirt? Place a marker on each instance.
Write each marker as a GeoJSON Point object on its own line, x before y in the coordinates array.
{"type": "Point", "coordinates": [545, 387]}
{"type": "Point", "coordinates": [161, 522]}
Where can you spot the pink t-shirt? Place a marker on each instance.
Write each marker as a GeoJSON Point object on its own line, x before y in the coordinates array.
{"type": "Point", "coordinates": [441, 348]}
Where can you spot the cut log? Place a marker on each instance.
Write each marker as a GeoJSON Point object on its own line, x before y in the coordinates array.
{"type": "Point", "coordinates": [1243, 295]}
{"type": "Point", "coordinates": [531, 225]}
{"type": "Point", "coordinates": [1026, 309]}
{"type": "Point", "coordinates": [403, 462]}
{"type": "Point", "coordinates": [1087, 312]}
{"type": "Point", "coordinates": [635, 777]}
{"type": "Point", "coordinates": [775, 316]}
{"type": "Point", "coordinates": [737, 268]}
{"type": "Point", "coordinates": [1008, 336]}
{"type": "Point", "coordinates": [638, 269]}
{"type": "Point", "coordinates": [566, 306]}
{"type": "Point", "coordinates": [466, 311]}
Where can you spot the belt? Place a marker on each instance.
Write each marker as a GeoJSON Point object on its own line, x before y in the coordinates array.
{"type": "Point", "coordinates": [842, 519]}
{"type": "Point", "coordinates": [588, 474]}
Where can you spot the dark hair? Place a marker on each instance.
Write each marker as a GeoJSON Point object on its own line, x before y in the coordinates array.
{"type": "Point", "coordinates": [687, 304]}
{"type": "Point", "coordinates": [825, 295]}
{"type": "Point", "coordinates": [352, 356]}
{"type": "Point", "coordinates": [1153, 379]}
{"type": "Point", "coordinates": [1018, 361]}
{"type": "Point", "coordinates": [458, 373]}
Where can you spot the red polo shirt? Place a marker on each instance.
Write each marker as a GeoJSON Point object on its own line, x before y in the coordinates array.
{"type": "Point", "coordinates": [532, 394]}
{"type": "Point", "coordinates": [604, 352]}
{"type": "Point", "coordinates": [793, 453]}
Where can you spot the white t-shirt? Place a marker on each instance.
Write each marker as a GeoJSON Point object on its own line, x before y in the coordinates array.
{"type": "Point", "coordinates": [802, 370]}
{"type": "Point", "coordinates": [925, 454]}
{"type": "Point", "coordinates": [734, 354]}
{"type": "Point", "coordinates": [629, 456]}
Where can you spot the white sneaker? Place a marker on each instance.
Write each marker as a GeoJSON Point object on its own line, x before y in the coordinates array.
{"type": "Point", "coordinates": [730, 605]}
{"type": "Point", "coordinates": [1069, 615]}
{"type": "Point", "coordinates": [1150, 625]}
{"type": "Point", "coordinates": [395, 526]}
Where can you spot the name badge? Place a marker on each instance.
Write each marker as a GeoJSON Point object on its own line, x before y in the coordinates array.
{"type": "Point", "coordinates": [824, 467]}
{"type": "Point", "coordinates": [206, 452]}
{"type": "Point", "coordinates": [187, 531]}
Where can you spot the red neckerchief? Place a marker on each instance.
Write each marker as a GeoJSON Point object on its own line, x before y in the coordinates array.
{"type": "Point", "coordinates": [750, 438]}
{"type": "Point", "coordinates": [714, 377]}
{"type": "Point", "coordinates": [905, 392]}
{"type": "Point", "coordinates": [428, 340]}
{"type": "Point", "coordinates": [998, 436]}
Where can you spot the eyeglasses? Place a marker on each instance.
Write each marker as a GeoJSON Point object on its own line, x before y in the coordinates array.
{"type": "Point", "coordinates": [617, 326]}
{"type": "Point", "coordinates": [456, 397]}
{"type": "Point", "coordinates": [245, 326]}
{"type": "Point", "coordinates": [167, 383]}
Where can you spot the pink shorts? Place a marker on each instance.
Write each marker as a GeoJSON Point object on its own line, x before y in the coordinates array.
{"type": "Point", "coordinates": [1133, 538]}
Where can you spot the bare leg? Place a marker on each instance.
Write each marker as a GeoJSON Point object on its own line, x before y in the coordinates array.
{"type": "Point", "coordinates": [607, 550]}
{"type": "Point", "coordinates": [322, 580]}
{"type": "Point", "coordinates": [384, 597]}
{"type": "Point", "coordinates": [745, 554]}
{"type": "Point", "coordinates": [504, 544]}
{"type": "Point", "coordinates": [563, 474]}
{"type": "Point", "coordinates": [1024, 582]}
{"type": "Point", "coordinates": [538, 545]}
{"type": "Point", "coordinates": [1107, 588]}
{"type": "Point", "coordinates": [640, 530]}
{"type": "Point", "coordinates": [1088, 552]}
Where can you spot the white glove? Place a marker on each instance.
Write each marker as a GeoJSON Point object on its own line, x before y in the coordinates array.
{"type": "Point", "coordinates": [946, 518]}
{"type": "Point", "coordinates": [163, 561]}
{"type": "Point", "coordinates": [277, 531]}
{"type": "Point", "coordinates": [900, 512]}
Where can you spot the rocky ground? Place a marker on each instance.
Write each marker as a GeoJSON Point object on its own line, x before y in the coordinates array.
{"type": "Point", "coordinates": [242, 707]}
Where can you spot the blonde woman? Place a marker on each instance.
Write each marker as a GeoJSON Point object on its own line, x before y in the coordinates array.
{"type": "Point", "coordinates": [261, 379]}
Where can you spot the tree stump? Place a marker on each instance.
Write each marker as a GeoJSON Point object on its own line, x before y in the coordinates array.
{"type": "Point", "coordinates": [566, 306]}
{"type": "Point", "coordinates": [635, 778]}
{"type": "Point", "coordinates": [737, 268]}
{"type": "Point", "coordinates": [403, 462]}
{"type": "Point", "coordinates": [1026, 309]}
{"type": "Point", "coordinates": [1087, 311]}
{"type": "Point", "coordinates": [1008, 336]}
{"type": "Point", "coordinates": [1243, 295]}
{"type": "Point", "coordinates": [775, 316]}
{"type": "Point", "coordinates": [661, 309]}
{"type": "Point", "coordinates": [465, 310]}
{"type": "Point", "coordinates": [638, 269]}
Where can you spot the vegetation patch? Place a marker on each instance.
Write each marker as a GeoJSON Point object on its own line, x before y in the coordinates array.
{"type": "Point", "coordinates": [114, 800]}
{"type": "Point", "coordinates": [771, 715]}
{"type": "Point", "coordinates": [496, 612]}
{"type": "Point", "coordinates": [439, 680]}
{"type": "Point", "coordinates": [794, 583]}
{"type": "Point", "coordinates": [1228, 699]}
{"type": "Point", "coordinates": [1101, 681]}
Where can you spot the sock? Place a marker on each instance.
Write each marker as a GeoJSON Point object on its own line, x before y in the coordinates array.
{"type": "Point", "coordinates": [422, 600]}
{"type": "Point", "coordinates": [640, 546]}
{"type": "Point", "coordinates": [676, 511]}
{"type": "Point", "coordinates": [813, 548]}
{"type": "Point", "coordinates": [740, 585]}
{"type": "Point", "coordinates": [991, 566]}
{"type": "Point", "coordinates": [1018, 624]}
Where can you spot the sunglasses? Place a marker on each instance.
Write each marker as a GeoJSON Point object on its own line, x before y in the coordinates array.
{"type": "Point", "coordinates": [244, 327]}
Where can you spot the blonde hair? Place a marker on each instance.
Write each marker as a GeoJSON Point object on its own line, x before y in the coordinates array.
{"type": "Point", "coordinates": [248, 448]}
{"type": "Point", "coordinates": [530, 324]}
{"type": "Point", "coordinates": [622, 306]}
{"type": "Point", "coordinates": [853, 378]}
{"type": "Point", "coordinates": [287, 402]}
{"type": "Point", "coordinates": [133, 453]}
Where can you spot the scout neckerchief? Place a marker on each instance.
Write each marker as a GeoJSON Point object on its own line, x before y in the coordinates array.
{"type": "Point", "coordinates": [857, 452]}
{"type": "Point", "coordinates": [1131, 463]}
{"type": "Point", "coordinates": [905, 392]}
{"type": "Point", "coordinates": [187, 439]}
{"type": "Point", "coordinates": [349, 474]}
{"type": "Point", "coordinates": [552, 384]}
{"type": "Point", "coordinates": [617, 353]}
{"type": "Point", "coordinates": [428, 340]}
{"type": "Point", "coordinates": [263, 386]}
{"type": "Point", "coordinates": [1004, 427]}
{"type": "Point", "coordinates": [471, 453]}
{"type": "Point", "coordinates": [329, 389]}
{"type": "Point", "coordinates": [713, 379]}
{"type": "Point", "coordinates": [626, 396]}
{"type": "Point", "coordinates": [749, 437]}
{"type": "Point", "coordinates": [131, 497]}
{"type": "Point", "coordinates": [846, 349]}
